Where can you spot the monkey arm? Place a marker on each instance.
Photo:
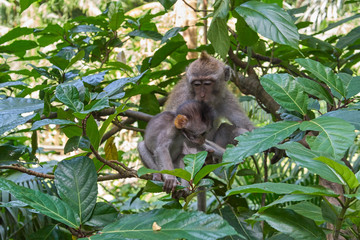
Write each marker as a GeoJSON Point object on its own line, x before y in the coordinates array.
{"type": "Point", "coordinates": [165, 162]}
{"type": "Point", "coordinates": [213, 148]}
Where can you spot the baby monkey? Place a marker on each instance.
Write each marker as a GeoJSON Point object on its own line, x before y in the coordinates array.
{"type": "Point", "coordinates": [166, 134]}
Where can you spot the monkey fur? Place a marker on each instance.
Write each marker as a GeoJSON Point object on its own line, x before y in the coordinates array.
{"type": "Point", "coordinates": [166, 134]}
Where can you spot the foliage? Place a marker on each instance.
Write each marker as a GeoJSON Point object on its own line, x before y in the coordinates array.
{"type": "Point", "coordinates": [71, 76]}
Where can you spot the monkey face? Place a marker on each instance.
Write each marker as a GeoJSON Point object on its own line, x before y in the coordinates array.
{"type": "Point", "coordinates": [194, 137]}
{"type": "Point", "coordinates": [203, 90]}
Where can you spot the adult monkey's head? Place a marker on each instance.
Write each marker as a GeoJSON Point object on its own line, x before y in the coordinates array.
{"type": "Point", "coordinates": [207, 77]}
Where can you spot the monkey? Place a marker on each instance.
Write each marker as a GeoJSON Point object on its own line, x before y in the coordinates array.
{"type": "Point", "coordinates": [166, 134]}
{"type": "Point", "coordinates": [205, 81]}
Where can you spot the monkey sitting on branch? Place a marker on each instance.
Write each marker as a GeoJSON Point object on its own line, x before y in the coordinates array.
{"type": "Point", "coordinates": [168, 132]}
{"type": "Point", "coordinates": [205, 81]}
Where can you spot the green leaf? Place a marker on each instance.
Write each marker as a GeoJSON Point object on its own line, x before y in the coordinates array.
{"type": "Point", "coordinates": [85, 28]}
{"type": "Point", "coordinates": [194, 162]}
{"type": "Point", "coordinates": [308, 209]}
{"type": "Point", "coordinates": [332, 140]}
{"type": "Point", "coordinates": [206, 170]}
{"type": "Point", "coordinates": [271, 21]}
{"type": "Point", "coordinates": [304, 157]}
{"type": "Point", "coordinates": [351, 116]}
{"type": "Point", "coordinates": [218, 36]}
{"type": "Point", "coordinates": [15, 33]}
{"type": "Point", "coordinates": [146, 34]}
{"type": "Point", "coordinates": [181, 173]}
{"type": "Point", "coordinates": [69, 95]}
{"type": "Point", "coordinates": [102, 215]}
{"type": "Point", "coordinates": [281, 188]}
{"type": "Point", "coordinates": [77, 142]}
{"type": "Point", "coordinates": [38, 124]}
{"type": "Point", "coordinates": [51, 232]}
{"type": "Point", "coordinates": [344, 173]}
{"type": "Point", "coordinates": [351, 84]}
{"type": "Point", "coordinates": [11, 121]}
{"type": "Point", "coordinates": [167, 4]}
{"type": "Point", "coordinates": [161, 54]}
{"type": "Point", "coordinates": [352, 37]}
{"type": "Point", "coordinates": [286, 91]}
{"type": "Point", "coordinates": [59, 62]}
{"type": "Point", "coordinates": [97, 105]}
{"type": "Point", "coordinates": [237, 221]}
{"type": "Point", "coordinates": [338, 23]}
{"type": "Point", "coordinates": [12, 83]}
{"type": "Point", "coordinates": [260, 139]}
{"type": "Point", "coordinates": [24, 4]}
{"type": "Point", "coordinates": [92, 132]}
{"type": "Point", "coordinates": [292, 224]}
{"type": "Point", "coordinates": [287, 199]}
{"type": "Point", "coordinates": [175, 224]}
{"type": "Point", "coordinates": [116, 15]}
{"type": "Point", "coordinates": [50, 206]}
{"type": "Point", "coordinates": [315, 89]}
{"type": "Point", "coordinates": [94, 79]}
{"type": "Point", "coordinates": [19, 105]}
{"type": "Point", "coordinates": [247, 37]}
{"type": "Point", "coordinates": [170, 34]}
{"type": "Point", "coordinates": [18, 46]}
{"type": "Point", "coordinates": [324, 74]}
{"type": "Point", "coordinates": [76, 183]}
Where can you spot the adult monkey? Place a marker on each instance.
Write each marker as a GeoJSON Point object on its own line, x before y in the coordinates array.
{"type": "Point", "coordinates": [205, 81]}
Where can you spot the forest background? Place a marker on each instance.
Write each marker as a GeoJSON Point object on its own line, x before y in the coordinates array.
{"type": "Point", "coordinates": [80, 79]}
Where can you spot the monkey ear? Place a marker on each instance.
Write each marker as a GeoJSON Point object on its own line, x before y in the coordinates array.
{"type": "Point", "coordinates": [180, 121]}
{"type": "Point", "coordinates": [227, 73]}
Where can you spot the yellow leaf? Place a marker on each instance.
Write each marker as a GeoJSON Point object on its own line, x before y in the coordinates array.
{"type": "Point", "coordinates": [110, 150]}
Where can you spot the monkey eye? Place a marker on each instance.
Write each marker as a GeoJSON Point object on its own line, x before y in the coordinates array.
{"type": "Point", "coordinates": [208, 83]}
{"type": "Point", "coordinates": [197, 83]}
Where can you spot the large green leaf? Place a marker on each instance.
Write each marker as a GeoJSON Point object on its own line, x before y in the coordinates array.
{"type": "Point", "coordinates": [304, 157]}
{"type": "Point", "coordinates": [271, 21]}
{"type": "Point", "coordinates": [219, 37]}
{"type": "Point", "coordinates": [289, 222]}
{"type": "Point", "coordinates": [345, 174]}
{"type": "Point", "coordinates": [103, 214]}
{"type": "Point", "coordinates": [308, 209]}
{"type": "Point", "coordinates": [351, 84]}
{"type": "Point", "coordinates": [332, 140]}
{"type": "Point", "coordinates": [20, 105]}
{"type": "Point", "coordinates": [315, 89]}
{"type": "Point", "coordinates": [349, 39]}
{"type": "Point", "coordinates": [94, 79]}
{"type": "Point", "coordinates": [287, 199]}
{"type": "Point", "coordinates": [69, 95]}
{"type": "Point", "coordinates": [48, 205]}
{"type": "Point", "coordinates": [259, 140]}
{"type": "Point", "coordinates": [162, 53]}
{"type": "Point", "coordinates": [38, 124]}
{"type": "Point", "coordinates": [194, 162]}
{"type": "Point", "coordinates": [116, 15]}
{"type": "Point", "coordinates": [324, 74]}
{"type": "Point", "coordinates": [286, 91]}
{"type": "Point", "coordinates": [348, 115]}
{"type": "Point", "coordinates": [97, 105]}
{"type": "Point", "coordinates": [11, 121]}
{"type": "Point", "coordinates": [175, 224]}
{"type": "Point", "coordinates": [237, 221]}
{"type": "Point", "coordinates": [281, 188]}
{"type": "Point", "coordinates": [15, 33]}
{"type": "Point", "coordinates": [76, 183]}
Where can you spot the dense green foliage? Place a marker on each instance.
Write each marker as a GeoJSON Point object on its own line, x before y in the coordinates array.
{"type": "Point", "coordinates": [72, 75]}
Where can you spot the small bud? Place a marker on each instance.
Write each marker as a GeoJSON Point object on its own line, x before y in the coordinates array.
{"type": "Point", "coordinates": [156, 227]}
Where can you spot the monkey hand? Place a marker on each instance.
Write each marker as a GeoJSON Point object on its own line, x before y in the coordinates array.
{"type": "Point", "coordinates": [157, 177]}
{"type": "Point", "coordinates": [170, 183]}
{"type": "Point", "coordinates": [182, 193]}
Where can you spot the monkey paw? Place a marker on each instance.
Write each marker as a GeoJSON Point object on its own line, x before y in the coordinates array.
{"type": "Point", "coordinates": [182, 193]}
{"type": "Point", "coordinates": [170, 183]}
{"type": "Point", "coordinates": [157, 177]}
